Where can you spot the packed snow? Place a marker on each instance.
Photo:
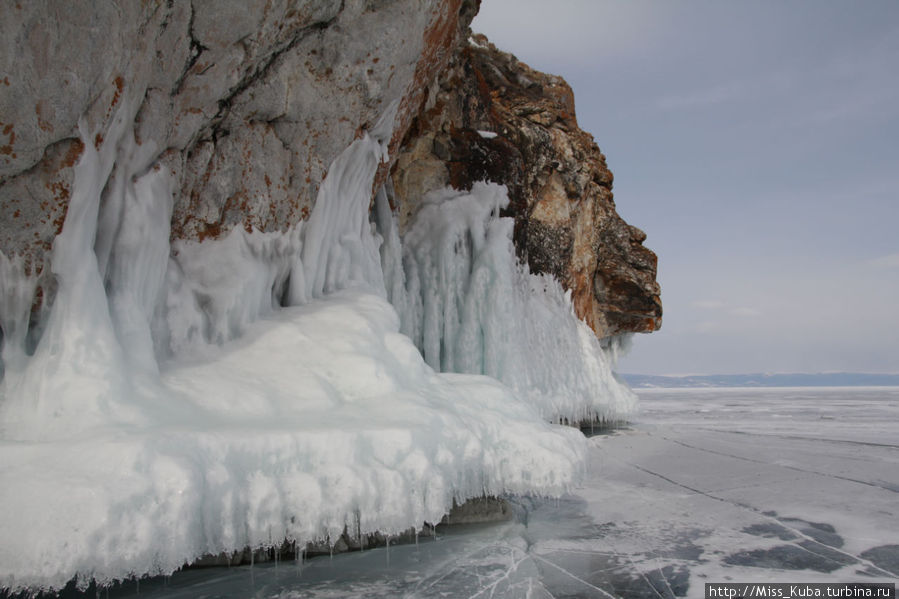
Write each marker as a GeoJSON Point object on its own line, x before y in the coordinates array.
{"type": "Point", "coordinates": [191, 398]}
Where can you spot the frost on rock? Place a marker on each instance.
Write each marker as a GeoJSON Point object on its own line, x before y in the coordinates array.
{"type": "Point", "coordinates": [198, 398]}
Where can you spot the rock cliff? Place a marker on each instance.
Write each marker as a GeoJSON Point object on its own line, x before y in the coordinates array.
{"type": "Point", "coordinates": [247, 103]}
{"type": "Point", "coordinates": [492, 117]}
{"type": "Point", "coordinates": [173, 173]}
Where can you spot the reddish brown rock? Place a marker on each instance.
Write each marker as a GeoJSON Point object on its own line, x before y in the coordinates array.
{"type": "Point", "coordinates": [494, 118]}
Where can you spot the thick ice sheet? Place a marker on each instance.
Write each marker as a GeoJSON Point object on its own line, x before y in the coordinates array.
{"type": "Point", "coordinates": [789, 485]}
{"type": "Point", "coordinates": [801, 486]}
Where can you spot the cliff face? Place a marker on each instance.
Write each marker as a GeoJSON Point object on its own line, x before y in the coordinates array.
{"type": "Point", "coordinates": [246, 104]}
{"type": "Point", "coordinates": [492, 117]}
{"type": "Point", "coordinates": [163, 192]}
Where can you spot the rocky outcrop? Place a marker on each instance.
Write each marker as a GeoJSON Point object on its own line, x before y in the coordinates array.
{"type": "Point", "coordinates": [247, 103]}
{"type": "Point", "coordinates": [492, 117]}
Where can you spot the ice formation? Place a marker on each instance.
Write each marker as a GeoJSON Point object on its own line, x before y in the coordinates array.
{"type": "Point", "coordinates": [470, 306]}
{"type": "Point", "coordinates": [194, 398]}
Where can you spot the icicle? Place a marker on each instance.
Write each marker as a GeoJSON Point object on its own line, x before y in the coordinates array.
{"type": "Point", "coordinates": [391, 250]}
{"type": "Point", "coordinates": [471, 307]}
{"type": "Point", "coordinates": [339, 249]}
{"type": "Point", "coordinates": [77, 378]}
{"type": "Point", "coordinates": [138, 259]}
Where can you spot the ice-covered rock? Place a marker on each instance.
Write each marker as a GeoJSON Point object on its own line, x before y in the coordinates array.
{"type": "Point", "coordinates": [268, 423]}
{"type": "Point", "coordinates": [246, 103]}
{"type": "Point", "coordinates": [471, 306]}
{"type": "Point", "coordinates": [198, 350]}
{"type": "Point", "coordinates": [491, 117]}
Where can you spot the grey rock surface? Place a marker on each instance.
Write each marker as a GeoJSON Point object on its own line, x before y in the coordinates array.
{"type": "Point", "coordinates": [246, 102]}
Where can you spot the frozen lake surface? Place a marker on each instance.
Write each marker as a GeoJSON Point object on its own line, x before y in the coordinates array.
{"type": "Point", "coordinates": [709, 485]}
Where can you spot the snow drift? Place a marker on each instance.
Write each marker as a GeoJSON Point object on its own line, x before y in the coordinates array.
{"type": "Point", "coordinates": [193, 398]}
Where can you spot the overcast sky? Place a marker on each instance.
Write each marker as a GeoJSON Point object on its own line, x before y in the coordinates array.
{"type": "Point", "coordinates": [757, 144]}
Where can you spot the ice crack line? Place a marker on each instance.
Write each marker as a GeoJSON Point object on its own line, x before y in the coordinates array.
{"type": "Point", "coordinates": [573, 576]}
{"type": "Point", "coordinates": [758, 512]}
{"type": "Point", "coordinates": [646, 578]}
{"type": "Point", "coordinates": [452, 564]}
{"type": "Point", "coordinates": [801, 438]}
{"type": "Point", "coordinates": [794, 468]}
{"type": "Point", "coordinates": [513, 567]}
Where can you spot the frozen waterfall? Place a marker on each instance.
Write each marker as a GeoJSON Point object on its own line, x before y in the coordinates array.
{"type": "Point", "coordinates": [470, 306]}
{"type": "Point", "coordinates": [193, 398]}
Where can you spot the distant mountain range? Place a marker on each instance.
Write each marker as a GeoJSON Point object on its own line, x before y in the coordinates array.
{"type": "Point", "coordinates": [829, 379]}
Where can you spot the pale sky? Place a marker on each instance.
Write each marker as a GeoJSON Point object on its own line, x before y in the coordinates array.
{"type": "Point", "coordinates": [757, 144]}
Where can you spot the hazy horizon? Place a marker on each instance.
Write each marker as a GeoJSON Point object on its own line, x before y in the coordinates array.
{"type": "Point", "coordinates": [756, 372]}
{"type": "Point", "coordinates": [755, 143]}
